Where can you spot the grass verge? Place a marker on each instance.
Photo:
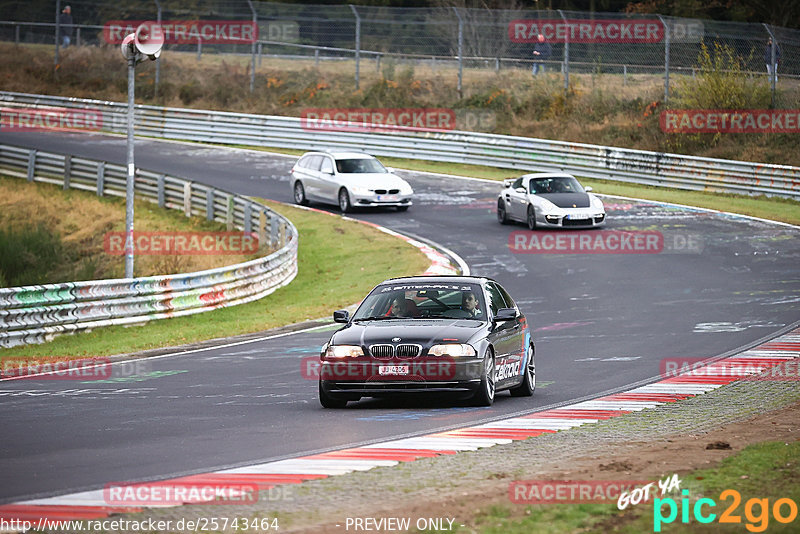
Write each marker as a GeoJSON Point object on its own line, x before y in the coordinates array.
{"type": "Point", "coordinates": [764, 472]}
{"type": "Point", "coordinates": [48, 235]}
{"type": "Point", "coordinates": [339, 261]}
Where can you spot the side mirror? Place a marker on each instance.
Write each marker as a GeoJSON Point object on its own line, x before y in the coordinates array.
{"type": "Point", "coordinates": [588, 189]}
{"type": "Point", "coordinates": [390, 170]}
{"type": "Point", "coordinates": [505, 314]}
{"type": "Point", "coordinates": [341, 316]}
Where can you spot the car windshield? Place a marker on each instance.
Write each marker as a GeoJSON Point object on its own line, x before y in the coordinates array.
{"type": "Point", "coordinates": [359, 165]}
{"type": "Point", "coordinates": [557, 184]}
{"type": "Point", "coordinates": [423, 301]}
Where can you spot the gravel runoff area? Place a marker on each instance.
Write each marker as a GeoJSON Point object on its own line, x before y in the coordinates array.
{"type": "Point", "coordinates": [457, 486]}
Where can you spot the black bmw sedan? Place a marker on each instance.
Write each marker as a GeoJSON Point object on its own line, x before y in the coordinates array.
{"type": "Point", "coordinates": [432, 334]}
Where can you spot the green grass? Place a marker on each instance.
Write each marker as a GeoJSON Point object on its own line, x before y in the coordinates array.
{"type": "Point", "coordinates": [769, 470]}
{"type": "Point", "coordinates": [339, 261]}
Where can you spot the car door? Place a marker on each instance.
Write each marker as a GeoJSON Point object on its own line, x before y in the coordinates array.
{"type": "Point", "coordinates": [515, 201]}
{"type": "Point", "coordinates": [328, 182]}
{"type": "Point", "coordinates": [311, 177]}
{"type": "Point", "coordinates": [505, 337]}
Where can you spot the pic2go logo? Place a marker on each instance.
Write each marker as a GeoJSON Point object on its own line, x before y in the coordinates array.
{"type": "Point", "coordinates": [757, 521]}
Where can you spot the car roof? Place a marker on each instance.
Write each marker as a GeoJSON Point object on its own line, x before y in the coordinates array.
{"type": "Point", "coordinates": [428, 279]}
{"type": "Point", "coordinates": [547, 175]}
{"type": "Point", "coordinates": [341, 154]}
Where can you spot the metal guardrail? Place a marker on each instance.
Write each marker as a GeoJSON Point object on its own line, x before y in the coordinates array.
{"type": "Point", "coordinates": [528, 154]}
{"type": "Point", "coordinates": [34, 314]}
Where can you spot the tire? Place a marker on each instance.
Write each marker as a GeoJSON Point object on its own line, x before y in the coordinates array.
{"type": "Point", "coordinates": [531, 218]}
{"type": "Point", "coordinates": [528, 385]}
{"type": "Point", "coordinates": [402, 208]}
{"type": "Point", "coordinates": [344, 201]}
{"type": "Point", "coordinates": [502, 214]}
{"type": "Point", "coordinates": [300, 194]}
{"type": "Point", "coordinates": [485, 394]}
{"type": "Point", "coordinates": [329, 402]}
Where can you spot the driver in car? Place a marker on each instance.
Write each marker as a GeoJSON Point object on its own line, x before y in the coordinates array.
{"type": "Point", "coordinates": [469, 303]}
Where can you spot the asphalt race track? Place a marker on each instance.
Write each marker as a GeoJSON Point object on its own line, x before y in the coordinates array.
{"type": "Point", "coordinates": [600, 321]}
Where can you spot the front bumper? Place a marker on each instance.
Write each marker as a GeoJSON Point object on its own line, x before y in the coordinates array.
{"type": "Point", "coordinates": [375, 200]}
{"type": "Point", "coordinates": [572, 220]}
{"type": "Point", "coordinates": [363, 377]}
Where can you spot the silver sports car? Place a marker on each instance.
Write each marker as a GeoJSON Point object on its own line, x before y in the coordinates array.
{"type": "Point", "coordinates": [549, 200]}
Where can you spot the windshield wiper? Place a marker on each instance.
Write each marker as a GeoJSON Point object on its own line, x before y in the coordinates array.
{"type": "Point", "coordinates": [378, 318]}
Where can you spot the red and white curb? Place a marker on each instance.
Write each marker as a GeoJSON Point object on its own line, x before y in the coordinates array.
{"type": "Point", "coordinates": [781, 350]}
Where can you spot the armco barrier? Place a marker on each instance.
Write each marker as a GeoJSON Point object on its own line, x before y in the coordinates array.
{"type": "Point", "coordinates": [33, 314]}
{"type": "Point", "coordinates": [591, 161]}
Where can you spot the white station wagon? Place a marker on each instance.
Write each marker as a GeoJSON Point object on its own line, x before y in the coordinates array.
{"type": "Point", "coordinates": [349, 180]}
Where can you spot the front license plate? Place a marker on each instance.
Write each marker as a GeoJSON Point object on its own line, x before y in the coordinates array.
{"type": "Point", "coordinates": [387, 198]}
{"type": "Point", "coordinates": [393, 370]}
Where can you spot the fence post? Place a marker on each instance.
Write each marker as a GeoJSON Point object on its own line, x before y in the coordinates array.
{"type": "Point", "coordinates": [162, 201]}
{"type": "Point", "coordinates": [273, 232]}
{"type": "Point", "coordinates": [67, 170]}
{"type": "Point", "coordinates": [101, 178]}
{"type": "Point", "coordinates": [259, 54]}
{"type": "Point", "coordinates": [358, 41]}
{"type": "Point", "coordinates": [210, 204]}
{"type": "Point", "coordinates": [158, 59]}
{"type": "Point", "coordinates": [16, 34]}
{"type": "Point", "coordinates": [187, 199]}
{"type": "Point", "coordinates": [773, 78]}
{"type": "Point", "coordinates": [566, 54]}
{"type": "Point", "coordinates": [31, 164]}
{"type": "Point", "coordinates": [199, 49]}
{"type": "Point", "coordinates": [460, 52]}
{"type": "Point", "coordinates": [316, 57]}
{"type": "Point", "coordinates": [248, 216]}
{"type": "Point", "coordinates": [253, 49]}
{"type": "Point", "coordinates": [262, 228]}
{"type": "Point", "coordinates": [624, 75]}
{"type": "Point", "coordinates": [666, 57]}
{"type": "Point", "coordinates": [229, 214]}
{"type": "Point", "coordinates": [78, 36]}
{"type": "Point", "coordinates": [58, 33]}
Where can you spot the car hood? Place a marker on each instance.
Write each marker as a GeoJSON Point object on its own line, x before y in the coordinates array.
{"type": "Point", "coordinates": [372, 180]}
{"type": "Point", "coordinates": [425, 332]}
{"type": "Point", "coordinates": [567, 200]}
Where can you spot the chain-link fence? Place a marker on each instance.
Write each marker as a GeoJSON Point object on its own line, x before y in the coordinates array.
{"type": "Point", "coordinates": [447, 39]}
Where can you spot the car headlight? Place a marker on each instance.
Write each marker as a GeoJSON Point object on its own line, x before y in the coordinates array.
{"type": "Point", "coordinates": [452, 349]}
{"type": "Point", "coordinates": [405, 189]}
{"type": "Point", "coordinates": [343, 351]}
{"type": "Point", "coordinates": [361, 190]}
{"type": "Point", "coordinates": [597, 203]}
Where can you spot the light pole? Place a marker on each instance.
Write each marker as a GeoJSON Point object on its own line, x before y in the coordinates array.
{"type": "Point", "coordinates": [146, 42]}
